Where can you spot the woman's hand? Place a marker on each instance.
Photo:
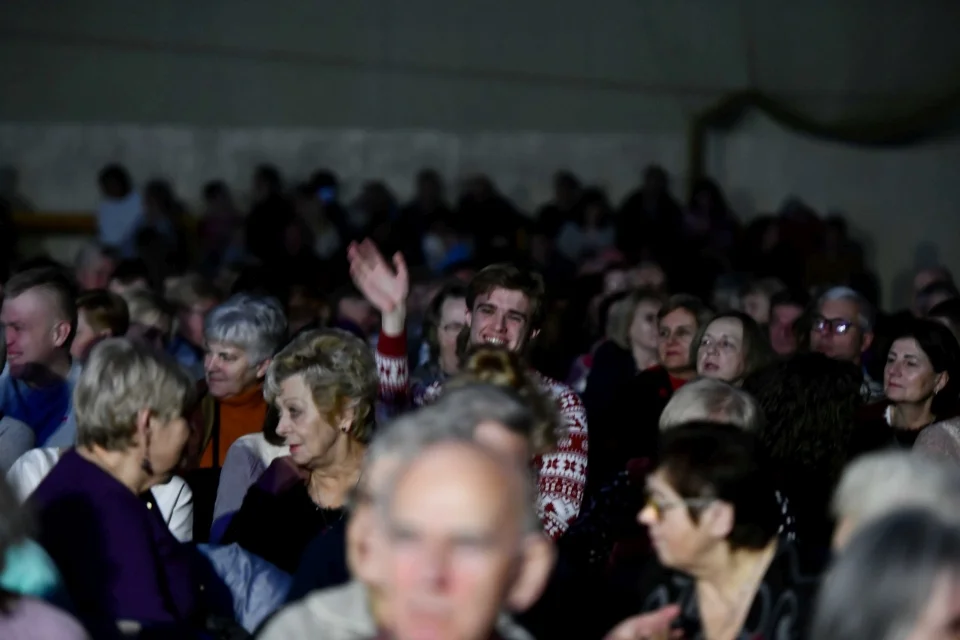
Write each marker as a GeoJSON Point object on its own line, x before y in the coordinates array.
{"type": "Point", "coordinates": [385, 287]}
{"type": "Point", "coordinates": [648, 626]}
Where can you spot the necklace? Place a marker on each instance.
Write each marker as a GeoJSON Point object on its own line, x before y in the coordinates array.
{"type": "Point", "coordinates": [319, 508]}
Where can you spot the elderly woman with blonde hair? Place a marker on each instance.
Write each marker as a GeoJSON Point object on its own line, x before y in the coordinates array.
{"type": "Point", "coordinates": [324, 384]}
{"type": "Point", "coordinates": [120, 563]}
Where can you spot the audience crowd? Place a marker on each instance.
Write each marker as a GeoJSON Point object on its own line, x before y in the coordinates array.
{"type": "Point", "coordinates": [456, 421]}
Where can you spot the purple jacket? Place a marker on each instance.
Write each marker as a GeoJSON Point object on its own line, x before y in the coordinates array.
{"type": "Point", "coordinates": [118, 558]}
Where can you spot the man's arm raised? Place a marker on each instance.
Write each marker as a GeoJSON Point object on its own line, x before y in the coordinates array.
{"type": "Point", "coordinates": [386, 287]}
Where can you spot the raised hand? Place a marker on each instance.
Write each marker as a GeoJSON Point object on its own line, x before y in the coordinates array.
{"type": "Point", "coordinates": [648, 626]}
{"type": "Point", "coordinates": [386, 287]}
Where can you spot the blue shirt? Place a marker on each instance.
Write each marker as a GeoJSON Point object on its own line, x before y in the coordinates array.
{"type": "Point", "coordinates": [43, 409]}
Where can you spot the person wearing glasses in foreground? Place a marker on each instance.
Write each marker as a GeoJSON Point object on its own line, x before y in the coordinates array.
{"type": "Point", "coordinates": [713, 520]}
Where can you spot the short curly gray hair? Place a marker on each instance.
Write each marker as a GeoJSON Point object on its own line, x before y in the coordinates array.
{"type": "Point", "coordinates": [340, 370]}
{"type": "Point", "coordinates": [255, 324]}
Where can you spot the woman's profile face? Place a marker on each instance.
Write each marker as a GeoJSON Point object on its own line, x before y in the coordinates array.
{"type": "Point", "coordinates": [643, 329]}
{"type": "Point", "coordinates": [166, 445]}
{"type": "Point", "coordinates": [677, 540]}
{"type": "Point", "coordinates": [304, 429]}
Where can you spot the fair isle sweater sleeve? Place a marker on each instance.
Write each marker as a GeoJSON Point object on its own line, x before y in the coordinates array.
{"type": "Point", "coordinates": [394, 386]}
{"type": "Point", "coordinates": [563, 473]}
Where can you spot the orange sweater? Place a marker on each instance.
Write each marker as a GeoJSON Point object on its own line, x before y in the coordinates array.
{"type": "Point", "coordinates": [239, 415]}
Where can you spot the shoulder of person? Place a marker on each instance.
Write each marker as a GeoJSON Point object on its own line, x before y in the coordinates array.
{"type": "Point", "coordinates": [281, 476]}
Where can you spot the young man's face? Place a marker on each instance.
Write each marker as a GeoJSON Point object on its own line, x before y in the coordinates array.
{"type": "Point", "coordinates": [501, 318]}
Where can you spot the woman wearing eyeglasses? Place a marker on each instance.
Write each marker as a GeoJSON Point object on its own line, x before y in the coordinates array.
{"type": "Point", "coordinates": [713, 519]}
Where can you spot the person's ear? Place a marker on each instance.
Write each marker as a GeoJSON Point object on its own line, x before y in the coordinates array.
{"type": "Point", "coordinates": [718, 519]}
{"type": "Point", "coordinates": [345, 422]}
{"type": "Point", "coordinates": [867, 341]}
{"type": "Point", "coordinates": [943, 378]}
{"type": "Point", "coordinates": [536, 566]}
{"type": "Point", "coordinates": [468, 318]}
{"type": "Point", "coordinates": [262, 368]}
{"type": "Point", "coordinates": [61, 332]}
{"type": "Point", "coordinates": [142, 434]}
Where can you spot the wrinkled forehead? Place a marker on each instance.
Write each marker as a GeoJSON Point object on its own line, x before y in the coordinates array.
{"type": "Point", "coordinates": [451, 494]}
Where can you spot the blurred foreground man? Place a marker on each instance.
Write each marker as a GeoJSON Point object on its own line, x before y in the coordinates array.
{"type": "Point", "coordinates": [463, 543]}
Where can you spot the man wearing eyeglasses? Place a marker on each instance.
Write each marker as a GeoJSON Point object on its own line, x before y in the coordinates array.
{"type": "Point", "coordinates": [842, 329]}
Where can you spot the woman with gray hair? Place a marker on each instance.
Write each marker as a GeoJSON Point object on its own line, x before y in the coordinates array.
{"type": "Point", "coordinates": [241, 335]}
{"type": "Point", "coordinates": [324, 384]}
{"type": "Point", "coordinates": [118, 558]}
{"type": "Point", "coordinates": [878, 483]}
{"type": "Point", "coordinates": [897, 578]}
{"type": "Point", "coordinates": [352, 610]}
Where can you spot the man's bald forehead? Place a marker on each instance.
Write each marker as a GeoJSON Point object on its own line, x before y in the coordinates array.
{"type": "Point", "coordinates": [464, 466]}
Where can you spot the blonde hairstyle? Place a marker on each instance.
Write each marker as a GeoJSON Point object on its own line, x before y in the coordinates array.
{"type": "Point", "coordinates": [340, 371]}
{"type": "Point", "coordinates": [186, 291]}
{"type": "Point", "coordinates": [709, 400]}
{"type": "Point", "coordinates": [504, 369]}
{"type": "Point", "coordinates": [622, 312]}
{"type": "Point", "coordinates": [149, 309]}
{"type": "Point", "coordinates": [120, 379]}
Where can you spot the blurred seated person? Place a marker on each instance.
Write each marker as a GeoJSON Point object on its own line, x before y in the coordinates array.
{"type": "Point", "coordinates": [443, 322]}
{"type": "Point", "coordinates": [786, 308]}
{"type": "Point", "coordinates": [897, 578]}
{"type": "Point", "coordinates": [100, 315]}
{"type": "Point", "coordinates": [307, 307]}
{"type": "Point", "coordinates": [923, 279]}
{"type": "Point", "coordinates": [591, 232]}
{"type": "Point", "coordinates": [947, 313]}
{"type": "Point", "coordinates": [94, 266]}
{"type": "Point", "coordinates": [354, 313]}
{"type": "Point", "coordinates": [731, 347]}
{"type": "Point", "coordinates": [241, 336]}
{"type": "Point", "coordinates": [325, 385]}
{"type": "Point", "coordinates": [475, 411]}
{"type": "Point", "coordinates": [934, 294]}
{"type": "Point", "coordinates": [121, 209]}
{"type": "Point", "coordinates": [563, 208]}
{"type": "Point", "coordinates": [642, 398]}
{"type": "Point", "coordinates": [151, 319]}
{"type": "Point", "coordinates": [450, 493]}
{"type": "Point", "coordinates": [758, 298]}
{"type": "Point", "coordinates": [714, 519]}
{"type": "Point", "coordinates": [220, 229]}
{"type": "Point", "coordinates": [843, 323]}
{"type": "Point", "coordinates": [878, 483]}
{"type": "Point", "coordinates": [118, 558]}
{"type": "Point", "coordinates": [39, 319]}
{"type": "Point", "coordinates": [130, 275]}
{"type": "Point", "coordinates": [27, 579]}
{"type": "Point", "coordinates": [192, 298]}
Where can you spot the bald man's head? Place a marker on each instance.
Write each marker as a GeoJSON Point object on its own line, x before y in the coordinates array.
{"type": "Point", "coordinates": [464, 541]}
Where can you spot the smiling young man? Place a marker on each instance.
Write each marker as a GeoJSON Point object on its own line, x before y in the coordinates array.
{"type": "Point", "coordinates": [504, 309]}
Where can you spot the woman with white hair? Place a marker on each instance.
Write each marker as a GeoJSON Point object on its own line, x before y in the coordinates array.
{"type": "Point", "coordinates": [118, 558]}
{"type": "Point", "coordinates": [241, 336]}
{"type": "Point", "coordinates": [875, 484]}
{"type": "Point", "coordinates": [897, 578]}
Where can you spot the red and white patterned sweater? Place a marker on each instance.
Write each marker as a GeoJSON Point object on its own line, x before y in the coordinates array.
{"type": "Point", "coordinates": [562, 474]}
